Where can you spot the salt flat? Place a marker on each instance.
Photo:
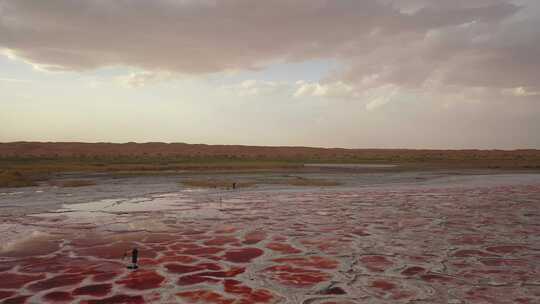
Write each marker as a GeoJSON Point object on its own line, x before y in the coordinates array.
{"type": "Point", "coordinates": [390, 238]}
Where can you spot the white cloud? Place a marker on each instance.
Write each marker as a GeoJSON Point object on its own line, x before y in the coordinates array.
{"type": "Point", "coordinates": [470, 43]}
{"type": "Point", "coordinates": [447, 52]}
{"type": "Point", "coordinates": [13, 80]}
{"type": "Point", "coordinates": [144, 78]}
{"type": "Point", "coordinates": [329, 90]}
{"type": "Point", "coordinates": [256, 88]}
{"type": "Point", "coordinates": [298, 89]}
{"type": "Point", "coordinates": [520, 92]}
{"type": "Point", "coordinates": [381, 96]}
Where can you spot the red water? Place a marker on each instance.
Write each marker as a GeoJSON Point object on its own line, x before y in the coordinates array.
{"type": "Point", "coordinates": [425, 245]}
{"type": "Point", "coordinates": [244, 255]}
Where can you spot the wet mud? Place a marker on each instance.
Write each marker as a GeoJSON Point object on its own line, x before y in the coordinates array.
{"type": "Point", "coordinates": [459, 244]}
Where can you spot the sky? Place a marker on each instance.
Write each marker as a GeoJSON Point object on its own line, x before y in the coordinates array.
{"type": "Point", "coordinates": [329, 73]}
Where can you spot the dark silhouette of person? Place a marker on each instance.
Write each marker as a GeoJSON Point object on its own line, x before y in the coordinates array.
{"type": "Point", "coordinates": [134, 259]}
{"type": "Point", "coordinates": [234, 186]}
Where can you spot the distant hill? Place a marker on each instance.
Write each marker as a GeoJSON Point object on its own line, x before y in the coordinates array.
{"type": "Point", "coordinates": [201, 151]}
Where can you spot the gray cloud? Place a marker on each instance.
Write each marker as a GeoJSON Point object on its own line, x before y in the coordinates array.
{"type": "Point", "coordinates": [409, 43]}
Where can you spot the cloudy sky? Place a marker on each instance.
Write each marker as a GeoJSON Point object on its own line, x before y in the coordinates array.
{"type": "Point", "coordinates": [348, 73]}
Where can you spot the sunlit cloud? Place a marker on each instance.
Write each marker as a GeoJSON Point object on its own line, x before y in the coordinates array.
{"type": "Point", "coordinates": [330, 90]}
{"type": "Point", "coordinates": [433, 65]}
{"type": "Point", "coordinates": [521, 92]}
{"type": "Point", "coordinates": [141, 79]}
{"type": "Point", "coordinates": [402, 43]}
{"type": "Point", "coordinates": [380, 97]}
{"type": "Point", "coordinates": [256, 88]}
{"type": "Point", "coordinates": [14, 80]}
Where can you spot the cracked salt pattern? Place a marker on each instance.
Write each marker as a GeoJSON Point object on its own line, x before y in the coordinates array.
{"type": "Point", "coordinates": [466, 239]}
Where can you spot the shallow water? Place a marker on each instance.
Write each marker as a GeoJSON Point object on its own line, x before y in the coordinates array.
{"type": "Point", "coordinates": [392, 238]}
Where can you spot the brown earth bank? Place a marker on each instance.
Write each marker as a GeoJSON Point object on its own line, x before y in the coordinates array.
{"type": "Point", "coordinates": [193, 151]}
{"type": "Point", "coordinates": [25, 163]}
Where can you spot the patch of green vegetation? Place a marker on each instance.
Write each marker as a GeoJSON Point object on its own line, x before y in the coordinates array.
{"type": "Point", "coordinates": [136, 164]}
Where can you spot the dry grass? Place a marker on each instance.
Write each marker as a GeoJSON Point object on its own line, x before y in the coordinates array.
{"type": "Point", "coordinates": [75, 183]}
{"type": "Point", "coordinates": [212, 183]}
{"type": "Point", "coordinates": [136, 166]}
{"type": "Point", "coordinates": [41, 161]}
{"type": "Point", "coordinates": [15, 179]}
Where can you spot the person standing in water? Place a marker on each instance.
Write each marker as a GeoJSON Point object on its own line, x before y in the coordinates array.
{"type": "Point", "coordinates": [134, 258]}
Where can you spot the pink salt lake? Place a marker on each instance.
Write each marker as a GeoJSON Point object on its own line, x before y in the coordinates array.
{"type": "Point", "coordinates": [470, 239]}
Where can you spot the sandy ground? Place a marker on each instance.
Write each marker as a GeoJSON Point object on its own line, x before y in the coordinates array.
{"type": "Point", "coordinates": [404, 237]}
